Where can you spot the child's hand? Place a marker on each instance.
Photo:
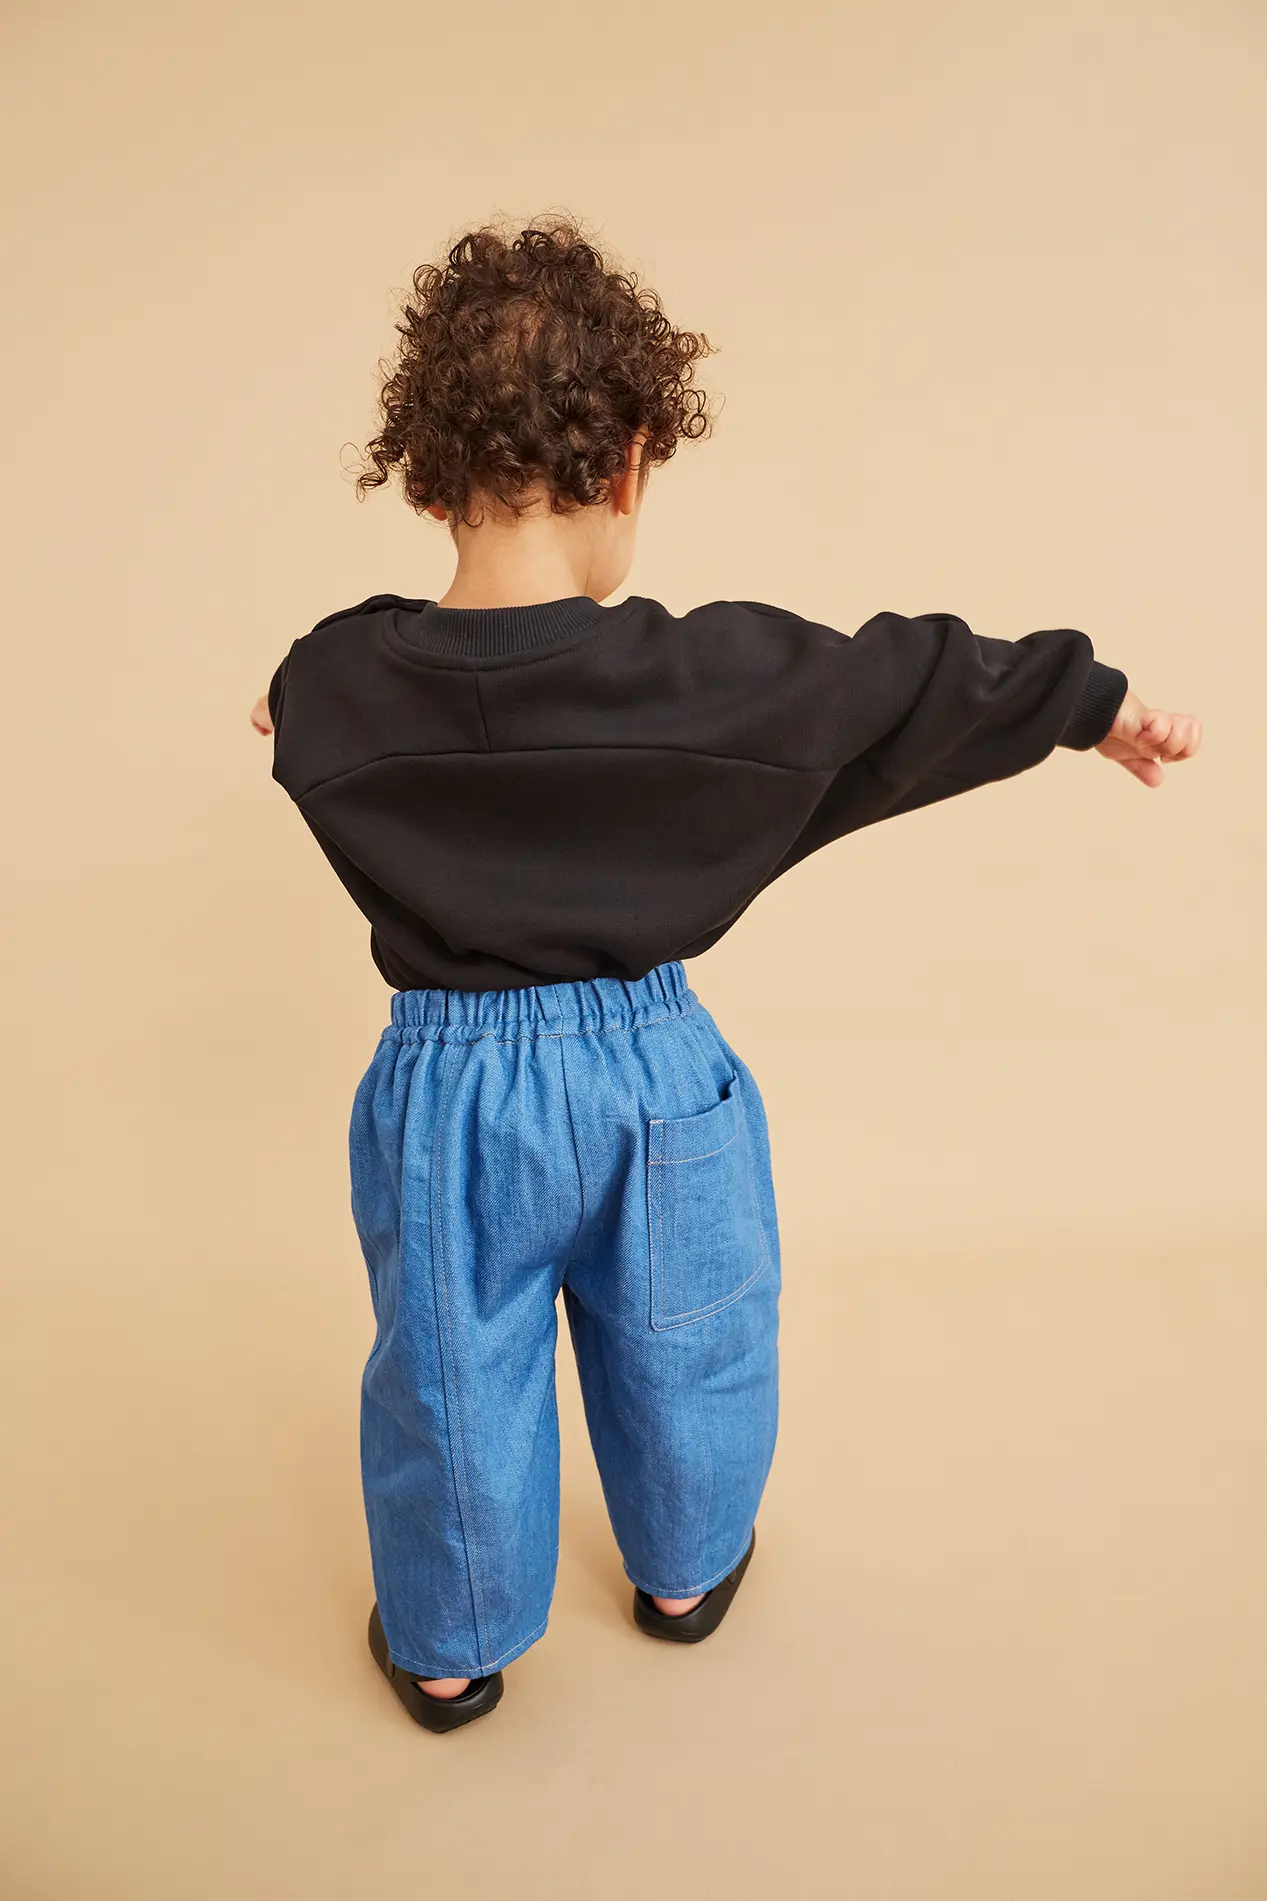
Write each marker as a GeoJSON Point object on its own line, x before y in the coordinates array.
{"type": "Point", "coordinates": [259, 715]}
{"type": "Point", "coordinates": [1142, 738]}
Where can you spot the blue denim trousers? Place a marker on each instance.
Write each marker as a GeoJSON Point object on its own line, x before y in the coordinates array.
{"type": "Point", "coordinates": [596, 1141]}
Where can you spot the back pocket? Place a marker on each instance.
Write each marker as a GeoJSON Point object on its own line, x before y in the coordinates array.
{"type": "Point", "coordinates": [707, 1245]}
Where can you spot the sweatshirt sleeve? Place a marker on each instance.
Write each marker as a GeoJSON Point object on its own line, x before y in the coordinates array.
{"type": "Point", "coordinates": [925, 709]}
{"type": "Point", "coordinates": [973, 709]}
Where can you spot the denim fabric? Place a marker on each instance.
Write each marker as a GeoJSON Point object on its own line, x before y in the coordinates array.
{"type": "Point", "coordinates": [597, 1140]}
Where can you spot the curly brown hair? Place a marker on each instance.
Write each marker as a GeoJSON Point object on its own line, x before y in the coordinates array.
{"type": "Point", "coordinates": [530, 361]}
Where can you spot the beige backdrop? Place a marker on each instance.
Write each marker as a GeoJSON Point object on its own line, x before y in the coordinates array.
{"type": "Point", "coordinates": [989, 285]}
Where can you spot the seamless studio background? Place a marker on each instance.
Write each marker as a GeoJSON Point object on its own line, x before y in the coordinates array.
{"type": "Point", "coordinates": [989, 288]}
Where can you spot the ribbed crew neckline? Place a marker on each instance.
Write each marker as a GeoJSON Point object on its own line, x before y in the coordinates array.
{"type": "Point", "coordinates": [491, 632]}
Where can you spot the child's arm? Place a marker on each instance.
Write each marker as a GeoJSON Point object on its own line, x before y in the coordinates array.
{"type": "Point", "coordinates": [967, 710]}
{"type": "Point", "coordinates": [259, 715]}
{"type": "Point", "coordinates": [920, 709]}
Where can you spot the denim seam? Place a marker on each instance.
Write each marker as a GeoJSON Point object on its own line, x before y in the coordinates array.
{"type": "Point", "coordinates": [521, 1645]}
{"type": "Point", "coordinates": [691, 1590]}
{"type": "Point", "coordinates": [483, 1669]}
{"type": "Point", "coordinates": [418, 1030]}
{"type": "Point", "coordinates": [465, 1514]}
{"type": "Point", "coordinates": [655, 1214]}
{"type": "Point", "coordinates": [576, 1152]}
{"type": "Point", "coordinates": [705, 1517]}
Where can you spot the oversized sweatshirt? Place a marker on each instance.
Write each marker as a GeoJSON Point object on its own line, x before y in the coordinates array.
{"type": "Point", "coordinates": [561, 791]}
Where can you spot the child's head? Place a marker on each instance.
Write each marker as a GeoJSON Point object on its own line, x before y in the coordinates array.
{"type": "Point", "coordinates": [533, 380]}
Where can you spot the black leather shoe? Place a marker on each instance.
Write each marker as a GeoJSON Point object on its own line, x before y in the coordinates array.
{"type": "Point", "coordinates": [693, 1626]}
{"type": "Point", "coordinates": [481, 1695]}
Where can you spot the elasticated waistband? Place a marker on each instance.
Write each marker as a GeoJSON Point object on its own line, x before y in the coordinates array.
{"type": "Point", "coordinates": [554, 1009]}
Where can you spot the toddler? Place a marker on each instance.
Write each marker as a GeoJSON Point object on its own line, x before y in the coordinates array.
{"type": "Point", "coordinates": [543, 805]}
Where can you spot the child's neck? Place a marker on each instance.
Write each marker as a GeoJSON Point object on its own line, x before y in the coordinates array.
{"type": "Point", "coordinates": [504, 565]}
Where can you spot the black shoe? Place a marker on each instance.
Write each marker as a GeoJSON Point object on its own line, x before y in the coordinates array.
{"type": "Point", "coordinates": [693, 1626]}
{"type": "Point", "coordinates": [481, 1695]}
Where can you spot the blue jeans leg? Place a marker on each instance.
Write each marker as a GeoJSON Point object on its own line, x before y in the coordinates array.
{"type": "Point", "coordinates": [459, 1429]}
{"type": "Point", "coordinates": [672, 1297]}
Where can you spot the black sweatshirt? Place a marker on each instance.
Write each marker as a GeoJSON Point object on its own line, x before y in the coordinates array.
{"type": "Point", "coordinates": [524, 795]}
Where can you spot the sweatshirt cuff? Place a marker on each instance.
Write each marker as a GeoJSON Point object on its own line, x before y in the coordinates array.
{"type": "Point", "coordinates": [1092, 718]}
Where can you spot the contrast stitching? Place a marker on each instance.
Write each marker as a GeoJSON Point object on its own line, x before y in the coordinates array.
{"type": "Point", "coordinates": [692, 1590]}
{"type": "Point", "coordinates": [705, 1516]}
{"type": "Point", "coordinates": [690, 1315]}
{"type": "Point", "coordinates": [521, 1645]}
{"type": "Point", "coordinates": [464, 1489]}
{"type": "Point", "coordinates": [422, 1670]}
{"type": "Point", "coordinates": [673, 1161]}
{"type": "Point", "coordinates": [655, 1217]}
